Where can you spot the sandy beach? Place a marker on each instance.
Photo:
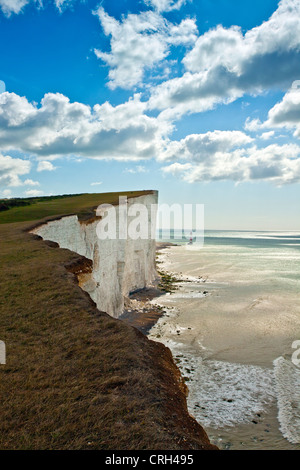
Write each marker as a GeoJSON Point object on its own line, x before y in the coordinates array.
{"type": "Point", "coordinates": [225, 331]}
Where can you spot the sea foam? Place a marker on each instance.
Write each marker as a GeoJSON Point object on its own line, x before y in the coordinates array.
{"type": "Point", "coordinates": [224, 394]}
{"type": "Point", "coordinates": [287, 383]}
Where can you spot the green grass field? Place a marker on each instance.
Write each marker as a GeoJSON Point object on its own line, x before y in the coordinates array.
{"type": "Point", "coordinates": [82, 205]}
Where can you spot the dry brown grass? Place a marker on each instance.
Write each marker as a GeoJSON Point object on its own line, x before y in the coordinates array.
{"type": "Point", "coordinates": [75, 378]}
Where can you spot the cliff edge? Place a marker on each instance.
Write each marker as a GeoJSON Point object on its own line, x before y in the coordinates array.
{"type": "Point", "coordinates": [120, 263]}
{"type": "Point", "coordinates": [76, 378]}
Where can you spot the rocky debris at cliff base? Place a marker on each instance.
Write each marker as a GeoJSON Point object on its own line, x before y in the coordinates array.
{"type": "Point", "coordinates": [140, 312]}
{"type": "Point", "coordinates": [163, 245]}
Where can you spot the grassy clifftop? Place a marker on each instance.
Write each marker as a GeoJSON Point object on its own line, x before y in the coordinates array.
{"type": "Point", "coordinates": [39, 208]}
{"type": "Point", "coordinates": [76, 378]}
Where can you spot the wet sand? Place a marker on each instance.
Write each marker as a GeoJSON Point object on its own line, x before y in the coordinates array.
{"type": "Point", "coordinates": [225, 335]}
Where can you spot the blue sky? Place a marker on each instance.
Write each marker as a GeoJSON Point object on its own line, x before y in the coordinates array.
{"type": "Point", "coordinates": [198, 99]}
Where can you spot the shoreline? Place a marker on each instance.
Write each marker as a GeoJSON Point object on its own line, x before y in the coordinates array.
{"type": "Point", "coordinates": [261, 426]}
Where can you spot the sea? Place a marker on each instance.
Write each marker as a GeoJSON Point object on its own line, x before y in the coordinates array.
{"type": "Point", "coordinates": [233, 326]}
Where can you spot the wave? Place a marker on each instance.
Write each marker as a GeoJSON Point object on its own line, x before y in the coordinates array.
{"type": "Point", "coordinates": [287, 384]}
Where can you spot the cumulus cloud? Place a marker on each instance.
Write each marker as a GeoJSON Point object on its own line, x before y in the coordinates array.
{"type": "Point", "coordinates": [30, 182]}
{"type": "Point", "coordinates": [200, 147]}
{"type": "Point", "coordinates": [44, 165]}
{"type": "Point", "coordinates": [96, 183]}
{"type": "Point", "coordinates": [267, 135]}
{"type": "Point", "coordinates": [165, 5]}
{"type": "Point", "coordinates": [191, 93]}
{"type": "Point", "coordinates": [253, 125]}
{"type": "Point", "coordinates": [11, 169]}
{"type": "Point", "coordinates": [231, 155]}
{"type": "Point", "coordinates": [286, 113]}
{"type": "Point", "coordinates": [58, 127]}
{"type": "Point", "coordinates": [224, 64]}
{"type": "Point", "coordinates": [276, 164]}
{"type": "Point", "coordinates": [139, 42]}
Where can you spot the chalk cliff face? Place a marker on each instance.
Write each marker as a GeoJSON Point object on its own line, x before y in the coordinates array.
{"type": "Point", "coordinates": [119, 265]}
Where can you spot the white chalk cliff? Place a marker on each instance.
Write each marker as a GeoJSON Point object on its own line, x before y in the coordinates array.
{"type": "Point", "coordinates": [120, 266]}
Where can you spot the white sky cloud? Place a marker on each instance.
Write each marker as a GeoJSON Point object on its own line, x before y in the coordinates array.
{"type": "Point", "coordinates": [30, 182]}
{"type": "Point", "coordinates": [96, 183]}
{"type": "Point", "coordinates": [286, 114]}
{"type": "Point", "coordinates": [62, 4]}
{"type": "Point", "coordinates": [277, 164]}
{"type": "Point", "coordinates": [139, 42]}
{"type": "Point", "coordinates": [253, 125]}
{"type": "Point", "coordinates": [231, 155]}
{"type": "Point", "coordinates": [225, 64]}
{"type": "Point", "coordinates": [12, 6]}
{"type": "Point", "coordinates": [267, 135]}
{"type": "Point", "coordinates": [11, 169]}
{"type": "Point", "coordinates": [44, 165]}
{"type": "Point", "coordinates": [222, 65]}
{"type": "Point", "coordinates": [165, 5]}
{"type": "Point", "coordinates": [200, 147]}
{"type": "Point", "coordinates": [125, 132]}
{"type": "Point", "coordinates": [58, 127]}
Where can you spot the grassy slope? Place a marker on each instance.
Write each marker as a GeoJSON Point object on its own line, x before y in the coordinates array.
{"type": "Point", "coordinates": [75, 378]}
